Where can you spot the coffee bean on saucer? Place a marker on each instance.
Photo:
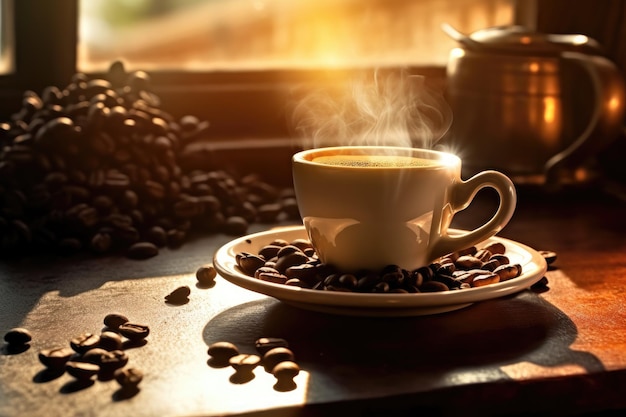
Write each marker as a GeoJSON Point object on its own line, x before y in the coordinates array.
{"type": "Point", "coordinates": [18, 336]}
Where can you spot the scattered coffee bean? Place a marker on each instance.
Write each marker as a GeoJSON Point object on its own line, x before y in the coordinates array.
{"type": "Point", "coordinates": [84, 342]}
{"type": "Point", "coordinates": [18, 336]}
{"type": "Point", "coordinates": [82, 370]}
{"type": "Point", "coordinates": [286, 370]}
{"type": "Point", "coordinates": [244, 362]}
{"type": "Point", "coordinates": [128, 378]}
{"type": "Point", "coordinates": [264, 344]}
{"type": "Point", "coordinates": [221, 352]}
{"type": "Point", "coordinates": [115, 320]}
{"type": "Point", "coordinates": [206, 275]}
{"type": "Point", "coordinates": [134, 332]}
{"type": "Point", "coordinates": [142, 250]}
{"type": "Point", "coordinates": [56, 358]}
{"type": "Point", "coordinates": [110, 341]}
{"type": "Point", "coordinates": [540, 285]}
{"type": "Point", "coordinates": [179, 296]}
{"type": "Point", "coordinates": [112, 360]}
{"type": "Point", "coordinates": [274, 356]}
{"type": "Point", "coordinates": [549, 256]}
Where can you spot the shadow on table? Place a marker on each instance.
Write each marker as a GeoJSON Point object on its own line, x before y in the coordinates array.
{"type": "Point", "coordinates": [488, 335]}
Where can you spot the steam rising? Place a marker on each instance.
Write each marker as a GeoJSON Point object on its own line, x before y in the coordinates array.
{"type": "Point", "coordinates": [392, 110]}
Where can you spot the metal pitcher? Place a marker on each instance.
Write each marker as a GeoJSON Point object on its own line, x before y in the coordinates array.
{"type": "Point", "coordinates": [529, 104]}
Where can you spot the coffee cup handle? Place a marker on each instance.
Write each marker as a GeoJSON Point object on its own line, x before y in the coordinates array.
{"type": "Point", "coordinates": [462, 194]}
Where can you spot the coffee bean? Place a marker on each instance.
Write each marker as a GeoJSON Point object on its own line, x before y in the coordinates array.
{"type": "Point", "coordinates": [142, 250]}
{"type": "Point", "coordinates": [128, 378]}
{"type": "Point", "coordinates": [112, 360]}
{"type": "Point", "coordinates": [134, 332]}
{"type": "Point", "coordinates": [110, 341]}
{"type": "Point", "coordinates": [55, 358]}
{"type": "Point", "coordinates": [206, 275]}
{"type": "Point", "coordinates": [264, 344]}
{"type": "Point", "coordinates": [84, 342]}
{"type": "Point", "coordinates": [276, 355]}
{"type": "Point", "coordinates": [18, 336]}
{"type": "Point", "coordinates": [115, 320]}
{"type": "Point", "coordinates": [249, 262]}
{"type": "Point", "coordinates": [286, 371]}
{"type": "Point", "coordinates": [179, 296]}
{"type": "Point", "coordinates": [221, 352]}
{"type": "Point", "coordinates": [244, 362]}
{"type": "Point", "coordinates": [82, 370]}
{"type": "Point", "coordinates": [549, 256]}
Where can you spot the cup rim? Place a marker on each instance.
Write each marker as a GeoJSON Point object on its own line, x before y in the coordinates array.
{"type": "Point", "coordinates": [448, 159]}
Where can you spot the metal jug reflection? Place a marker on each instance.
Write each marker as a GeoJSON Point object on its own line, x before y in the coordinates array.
{"type": "Point", "coordinates": [531, 105]}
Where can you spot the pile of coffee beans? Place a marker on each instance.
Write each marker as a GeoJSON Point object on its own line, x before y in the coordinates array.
{"type": "Point", "coordinates": [296, 263]}
{"type": "Point", "coordinates": [273, 354]}
{"type": "Point", "coordinates": [97, 164]}
{"type": "Point", "coordinates": [91, 355]}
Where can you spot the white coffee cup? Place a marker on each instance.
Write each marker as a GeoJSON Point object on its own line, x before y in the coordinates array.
{"type": "Point", "coordinates": [366, 207]}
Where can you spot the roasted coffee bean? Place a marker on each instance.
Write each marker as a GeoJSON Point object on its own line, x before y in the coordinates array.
{"type": "Point", "coordinates": [56, 358]}
{"type": "Point", "coordinates": [128, 378]}
{"type": "Point", "coordinates": [549, 256]}
{"type": "Point", "coordinates": [490, 265]}
{"type": "Point", "coordinates": [286, 371]}
{"type": "Point", "coordinates": [115, 320]}
{"type": "Point", "coordinates": [501, 258]}
{"type": "Point", "coordinates": [110, 341]}
{"type": "Point", "coordinates": [348, 281]}
{"type": "Point", "coordinates": [485, 279]}
{"type": "Point", "coordinates": [142, 250]}
{"type": "Point", "coordinates": [265, 344]}
{"type": "Point", "coordinates": [18, 336]}
{"type": "Point", "coordinates": [495, 248]}
{"type": "Point", "coordinates": [433, 286]}
{"type": "Point", "coordinates": [179, 296]}
{"type": "Point", "coordinates": [265, 269]}
{"type": "Point", "coordinates": [540, 285]}
{"type": "Point", "coordinates": [507, 272]}
{"type": "Point", "coordinates": [82, 370]}
{"type": "Point", "coordinates": [274, 356]}
{"type": "Point", "coordinates": [275, 277]}
{"type": "Point", "coordinates": [249, 262]}
{"type": "Point", "coordinates": [304, 272]}
{"type": "Point", "coordinates": [468, 262]}
{"type": "Point", "coordinates": [236, 225]}
{"type": "Point", "coordinates": [108, 361]}
{"type": "Point", "coordinates": [84, 342]}
{"type": "Point", "coordinates": [221, 352]}
{"type": "Point", "coordinates": [206, 275]}
{"type": "Point", "coordinates": [134, 332]}
{"type": "Point", "coordinates": [244, 362]}
{"type": "Point", "coordinates": [269, 251]}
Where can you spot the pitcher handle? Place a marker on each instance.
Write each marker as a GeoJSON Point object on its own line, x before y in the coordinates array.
{"type": "Point", "coordinates": [605, 122]}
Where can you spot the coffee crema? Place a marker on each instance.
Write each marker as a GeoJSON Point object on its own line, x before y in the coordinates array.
{"type": "Point", "coordinates": [375, 161]}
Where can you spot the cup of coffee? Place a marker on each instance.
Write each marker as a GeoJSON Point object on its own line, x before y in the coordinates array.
{"type": "Point", "coordinates": [366, 207]}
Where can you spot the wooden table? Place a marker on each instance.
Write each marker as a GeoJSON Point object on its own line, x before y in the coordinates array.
{"type": "Point", "coordinates": [559, 350]}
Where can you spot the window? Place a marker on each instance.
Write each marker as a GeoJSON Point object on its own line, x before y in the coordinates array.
{"type": "Point", "coordinates": [277, 34]}
{"type": "Point", "coordinates": [253, 52]}
{"type": "Point", "coordinates": [6, 37]}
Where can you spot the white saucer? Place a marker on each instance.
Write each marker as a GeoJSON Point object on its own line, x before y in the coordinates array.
{"type": "Point", "coordinates": [359, 304]}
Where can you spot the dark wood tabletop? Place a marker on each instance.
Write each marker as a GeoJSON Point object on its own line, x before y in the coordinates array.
{"type": "Point", "coordinates": [560, 349]}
